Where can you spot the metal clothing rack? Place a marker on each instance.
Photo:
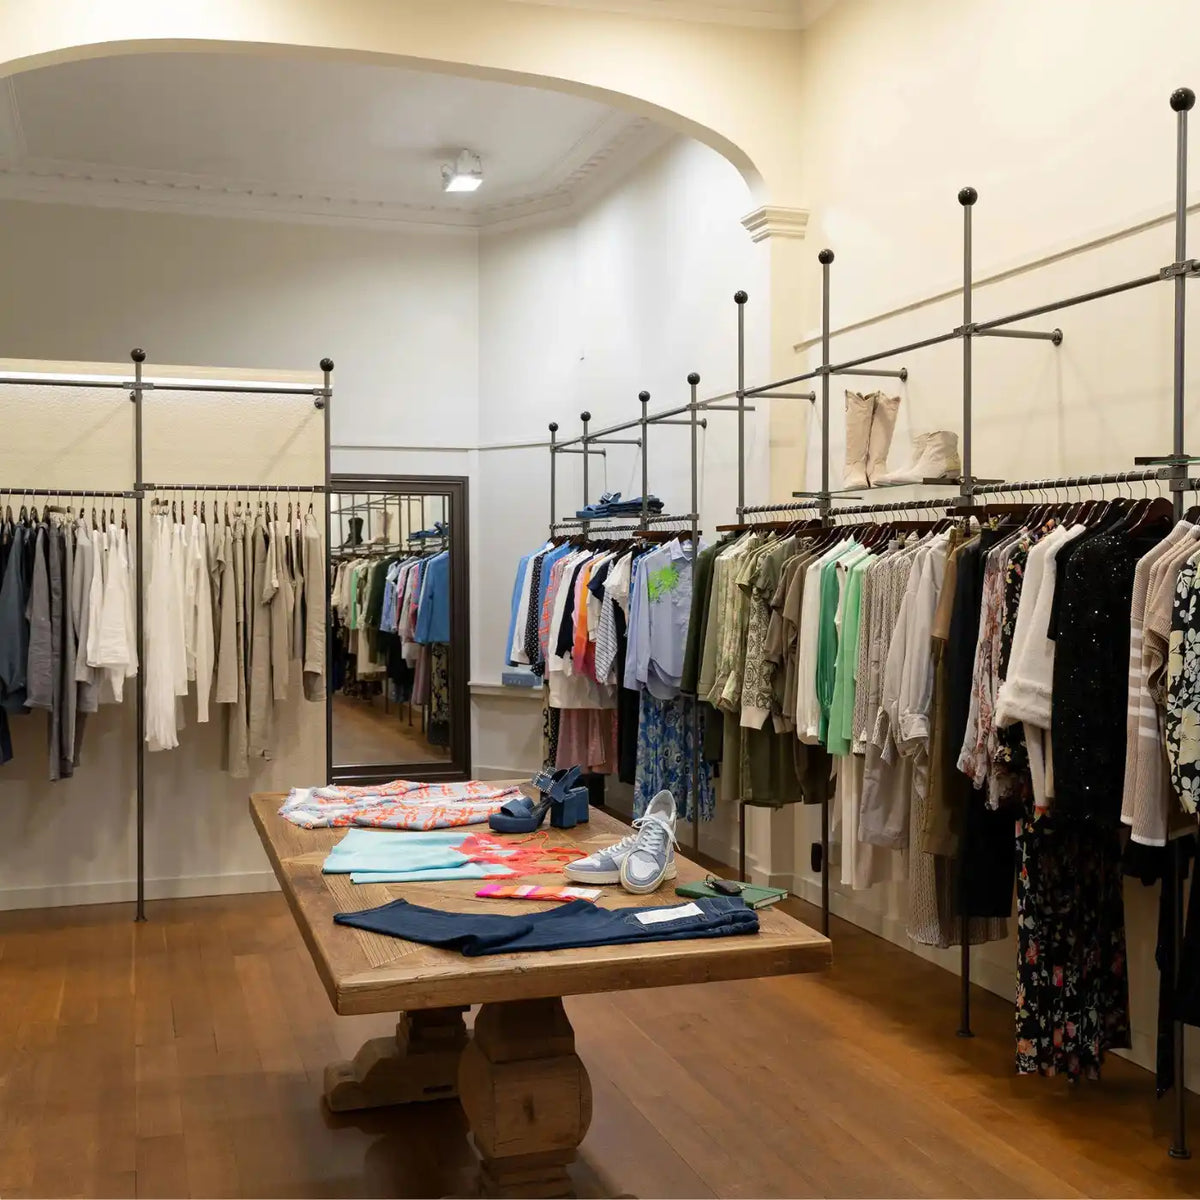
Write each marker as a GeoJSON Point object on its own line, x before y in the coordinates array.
{"type": "Point", "coordinates": [1172, 467]}
{"type": "Point", "coordinates": [820, 502]}
{"type": "Point", "coordinates": [138, 387]}
{"type": "Point", "coordinates": [584, 444]}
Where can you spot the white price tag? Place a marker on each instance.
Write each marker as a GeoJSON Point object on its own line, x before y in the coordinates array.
{"type": "Point", "coordinates": [658, 915]}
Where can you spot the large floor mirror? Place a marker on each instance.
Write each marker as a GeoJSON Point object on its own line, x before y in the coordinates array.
{"type": "Point", "coordinates": [400, 629]}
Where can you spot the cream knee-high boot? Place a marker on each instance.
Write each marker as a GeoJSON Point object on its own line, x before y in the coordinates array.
{"type": "Point", "coordinates": [883, 425]}
{"type": "Point", "coordinates": [859, 410]}
{"type": "Point", "coordinates": [935, 456]}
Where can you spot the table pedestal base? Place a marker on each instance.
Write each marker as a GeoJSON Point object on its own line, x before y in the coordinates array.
{"type": "Point", "coordinates": [527, 1096]}
{"type": "Point", "coordinates": [419, 1063]}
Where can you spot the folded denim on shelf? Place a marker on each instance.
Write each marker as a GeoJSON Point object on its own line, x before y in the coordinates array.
{"type": "Point", "coordinates": [579, 923]}
{"type": "Point", "coordinates": [611, 505]}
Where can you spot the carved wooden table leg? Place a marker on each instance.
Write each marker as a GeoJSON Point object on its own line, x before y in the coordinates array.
{"type": "Point", "coordinates": [419, 1063]}
{"type": "Point", "coordinates": [527, 1096]}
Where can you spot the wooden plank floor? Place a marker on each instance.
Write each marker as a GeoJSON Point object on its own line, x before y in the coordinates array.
{"type": "Point", "coordinates": [364, 733]}
{"type": "Point", "coordinates": [184, 1057]}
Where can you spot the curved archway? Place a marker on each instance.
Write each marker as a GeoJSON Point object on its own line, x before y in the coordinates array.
{"type": "Point", "coordinates": [692, 78]}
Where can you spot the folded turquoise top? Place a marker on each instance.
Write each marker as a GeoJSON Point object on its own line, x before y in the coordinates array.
{"type": "Point", "coordinates": [466, 871]}
{"type": "Point", "coordinates": [380, 856]}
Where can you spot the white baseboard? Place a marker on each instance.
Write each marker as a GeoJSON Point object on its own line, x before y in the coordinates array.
{"type": "Point", "coordinates": [995, 978]}
{"type": "Point", "coordinates": [118, 891]}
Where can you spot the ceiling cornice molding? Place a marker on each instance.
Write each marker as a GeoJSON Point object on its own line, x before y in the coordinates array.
{"type": "Point", "coordinates": [58, 182]}
{"type": "Point", "coordinates": [586, 186]}
{"type": "Point", "coordinates": [613, 147]}
{"type": "Point", "coordinates": [601, 141]}
{"type": "Point", "coordinates": [12, 133]}
{"type": "Point", "coordinates": [619, 160]}
{"type": "Point", "coordinates": [772, 220]}
{"type": "Point", "coordinates": [768, 14]}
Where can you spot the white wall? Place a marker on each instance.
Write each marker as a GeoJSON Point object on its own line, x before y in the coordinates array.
{"type": "Point", "coordinates": [634, 294]}
{"type": "Point", "coordinates": [399, 315]}
{"type": "Point", "coordinates": [444, 344]}
{"type": "Point", "coordinates": [397, 312]}
{"type": "Point", "coordinates": [1058, 115]}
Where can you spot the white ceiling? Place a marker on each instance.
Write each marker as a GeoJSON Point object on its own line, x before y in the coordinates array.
{"type": "Point", "coordinates": [771, 14]}
{"type": "Point", "coordinates": [315, 139]}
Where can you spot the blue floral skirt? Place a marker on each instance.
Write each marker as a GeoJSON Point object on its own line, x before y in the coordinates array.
{"type": "Point", "coordinates": [664, 756]}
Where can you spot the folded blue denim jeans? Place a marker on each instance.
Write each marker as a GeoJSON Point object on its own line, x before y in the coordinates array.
{"type": "Point", "coordinates": [579, 923]}
{"type": "Point", "coordinates": [610, 504]}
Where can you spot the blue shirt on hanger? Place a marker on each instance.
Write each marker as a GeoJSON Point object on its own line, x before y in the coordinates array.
{"type": "Point", "coordinates": [516, 603]}
{"type": "Point", "coordinates": [433, 611]}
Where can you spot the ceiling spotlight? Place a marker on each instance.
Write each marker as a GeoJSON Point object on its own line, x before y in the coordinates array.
{"type": "Point", "coordinates": [464, 175]}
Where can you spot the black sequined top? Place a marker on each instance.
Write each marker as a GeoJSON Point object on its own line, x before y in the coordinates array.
{"type": "Point", "coordinates": [1091, 674]}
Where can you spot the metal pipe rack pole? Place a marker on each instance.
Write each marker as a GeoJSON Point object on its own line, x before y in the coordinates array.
{"type": "Point", "coordinates": [325, 403]}
{"type": "Point", "coordinates": [986, 327]}
{"type": "Point", "coordinates": [1069, 481]}
{"type": "Point", "coordinates": [825, 258]}
{"type": "Point", "coordinates": [901, 374]}
{"type": "Point", "coordinates": [139, 357]}
{"type": "Point", "coordinates": [553, 474]}
{"type": "Point", "coordinates": [966, 197]}
{"type": "Point", "coordinates": [1182, 101]}
{"type": "Point", "coordinates": [235, 487]}
{"type": "Point", "coordinates": [585, 417]}
{"type": "Point", "coordinates": [897, 506]}
{"type": "Point", "coordinates": [74, 493]}
{"type": "Point", "coordinates": [1049, 335]}
{"type": "Point", "coordinates": [644, 400]}
{"type": "Point", "coordinates": [848, 367]}
{"type": "Point", "coordinates": [40, 381]}
{"type": "Point", "coordinates": [740, 299]}
{"type": "Point", "coordinates": [695, 788]}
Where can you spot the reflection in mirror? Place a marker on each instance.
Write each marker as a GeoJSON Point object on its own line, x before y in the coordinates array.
{"type": "Point", "coordinates": [391, 623]}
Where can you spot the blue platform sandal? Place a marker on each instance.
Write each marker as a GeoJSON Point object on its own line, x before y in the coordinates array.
{"type": "Point", "coordinates": [550, 792]}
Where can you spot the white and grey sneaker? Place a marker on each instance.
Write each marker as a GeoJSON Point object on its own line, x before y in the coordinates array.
{"type": "Point", "coordinates": [651, 858]}
{"type": "Point", "coordinates": [605, 865]}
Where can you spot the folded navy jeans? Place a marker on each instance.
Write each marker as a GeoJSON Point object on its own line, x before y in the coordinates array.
{"type": "Point", "coordinates": [579, 923]}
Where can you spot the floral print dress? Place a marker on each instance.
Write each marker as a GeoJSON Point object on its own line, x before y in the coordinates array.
{"type": "Point", "coordinates": [1072, 986]}
{"type": "Point", "coordinates": [1182, 726]}
{"type": "Point", "coordinates": [1072, 982]}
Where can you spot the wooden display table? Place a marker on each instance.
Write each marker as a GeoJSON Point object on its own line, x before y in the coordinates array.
{"type": "Point", "coordinates": [524, 1089]}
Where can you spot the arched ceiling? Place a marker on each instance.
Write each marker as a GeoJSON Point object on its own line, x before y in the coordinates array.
{"type": "Point", "coordinates": [343, 141]}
